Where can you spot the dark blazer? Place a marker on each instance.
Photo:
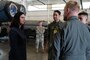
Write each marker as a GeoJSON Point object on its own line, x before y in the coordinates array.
{"type": "Point", "coordinates": [75, 43]}
{"type": "Point", "coordinates": [17, 44]}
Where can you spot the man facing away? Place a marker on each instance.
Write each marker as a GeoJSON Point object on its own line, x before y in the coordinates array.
{"type": "Point", "coordinates": [73, 43]}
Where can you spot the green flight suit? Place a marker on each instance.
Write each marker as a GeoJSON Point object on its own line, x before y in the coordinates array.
{"type": "Point", "coordinates": [53, 28]}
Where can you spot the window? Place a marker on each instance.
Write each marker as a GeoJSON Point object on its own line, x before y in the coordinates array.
{"type": "Point", "coordinates": [58, 7]}
{"type": "Point", "coordinates": [86, 5]}
{"type": "Point", "coordinates": [37, 7]}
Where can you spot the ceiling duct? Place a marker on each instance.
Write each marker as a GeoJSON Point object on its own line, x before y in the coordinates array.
{"type": "Point", "coordinates": [41, 2]}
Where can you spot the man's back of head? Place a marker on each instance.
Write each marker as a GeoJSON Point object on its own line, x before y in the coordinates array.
{"type": "Point", "coordinates": [73, 5]}
{"type": "Point", "coordinates": [71, 9]}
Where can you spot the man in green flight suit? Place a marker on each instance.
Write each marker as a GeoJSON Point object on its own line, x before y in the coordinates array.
{"type": "Point", "coordinates": [53, 28]}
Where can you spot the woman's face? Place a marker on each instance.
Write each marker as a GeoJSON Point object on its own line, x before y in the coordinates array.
{"type": "Point", "coordinates": [22, 19]}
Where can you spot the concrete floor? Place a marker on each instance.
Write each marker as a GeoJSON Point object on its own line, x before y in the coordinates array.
{"type": "Point", "coordinates": [31, 52]}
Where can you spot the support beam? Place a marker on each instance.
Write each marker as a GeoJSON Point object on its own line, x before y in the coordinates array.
{"type": "Point", "coordinates": [49, 9]}
{"type": "Point", "coordinates": [41, 2]}
{"type": "Point", "coordinates": [65, 1]}
{"type": "Point", "coordinates": [81, 4]}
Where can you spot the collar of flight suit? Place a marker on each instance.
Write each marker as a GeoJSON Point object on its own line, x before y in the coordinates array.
{"type": "Point", "coordinates": [73, 18]}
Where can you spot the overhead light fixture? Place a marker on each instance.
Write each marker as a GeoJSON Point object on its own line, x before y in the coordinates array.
{"type": "Point", "coordinates": [58, 6]}
{"type": "Point", "coordinates": [37, 7]}
{"type": "Point", "coordinates": [86, 5]}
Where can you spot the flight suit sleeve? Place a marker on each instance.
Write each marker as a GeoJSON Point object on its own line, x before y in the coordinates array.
{"type": "Point", "coordinates": [56, 47]}
{"type": "Point", "coordinates": [49, 35]}
{"type": "Point", "coordinates": [88, 46]}
{"type": "Point", "coordinates": [88, 28]}
{"type": "Point", "coordinates": [88, 54]}
{"type": "Point", "coordinates": [87, 39]}
{"type": "Point", "coordinates": [48, 31]}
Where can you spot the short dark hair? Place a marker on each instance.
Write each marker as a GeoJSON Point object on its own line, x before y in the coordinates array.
{"type": "Point", "coordinates": [57, 12]}
{"type": "Point", "coordinates": [83, 13]}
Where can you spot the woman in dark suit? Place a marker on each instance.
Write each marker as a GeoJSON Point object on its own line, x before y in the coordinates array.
{"type": "Point", "coordinates": [17, 38]}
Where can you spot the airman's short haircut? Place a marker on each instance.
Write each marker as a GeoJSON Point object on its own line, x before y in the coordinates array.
{"type": "Point", "coordinates": [83, 13]}
{"type": "Point", "coordinates": [57, 12]}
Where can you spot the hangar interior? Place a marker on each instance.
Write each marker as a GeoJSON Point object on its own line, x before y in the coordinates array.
{"type": "Point", "coordinates": [36, 10]}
